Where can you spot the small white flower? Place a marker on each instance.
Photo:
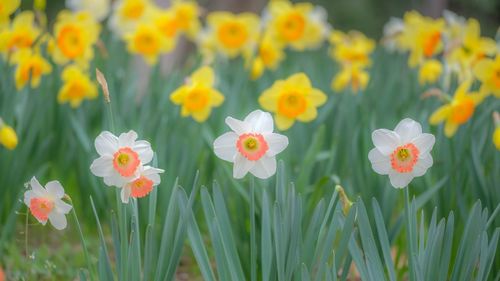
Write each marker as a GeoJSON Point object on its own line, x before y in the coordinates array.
{"type": "Point", "coordinates": [251, 146]}
{"type": "Point", "coordinates": [99, 9]}
{"type": "Point", "coordinates": [403, 153]}
{"type": "Point", "coordinates": [148, 178]}
{"type": "Point", "coordinates": [120, 157]}
{"type": "Point", "coordinates": [47, 204]}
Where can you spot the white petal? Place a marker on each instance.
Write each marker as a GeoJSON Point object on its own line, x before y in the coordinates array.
{"type": "Point", "coordinates": [148, 170]}
{"type": "Point", "coordinates": [260, 121]}
{"type": "Point", "coordinates": [102, 166]}
{"type": "Point", "coordinates": [58, 220]}
{"type": "Point", "coordinates": [381, 164]}
{"type": "Point", "coordinates": [400, 180]}
{"type": "Point", "coordinates": [424, 143]}
{"type": "Point", "coordinates": [127, 139]}
{"type": "Point", "coordinates": [276, 142]}
{"type": "Point", "coordinates": [37, 187]}
{"type": "Point", "coordinates": [385, 140]}
{"type": "Point", "coordinates": [125, 194]}
{"type": "Point", "coordinates": [241, 166]}
{"type": "Point", "coordinates": [407, 129]}
{"type": "Point", "coordinates": [155, 178]}
{"type": "Point", "coordinates": [55, 189]}
{"type": "Point", "coordinates": [118, 180]}
{"type": "Point", "coordinates": [143, 148]}
{"type": "Point", "coordinates": [225, 146]}
{"type": "Point", "coordinates": [28, 195]}
{"type": "Point", "coordinates": [238, 126]}
{"type": "Point", "coordinates": [62, 207]}
{"type": "Point", "coordinates": [424, 162]}
{"type": "Point", "coordinates": [106, 143]}
{"type": "Point", "coordinates": [264, 168]}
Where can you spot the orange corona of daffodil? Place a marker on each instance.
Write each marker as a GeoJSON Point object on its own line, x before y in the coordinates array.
{"type": "Point", "coordinates": [75, 35]}
{"type": "Point", "coordinates": [458, 111]}
{"type": "Point", "coordinates": [292, 99]}
{"type": "Point", "coordinates": [22, 33]}
{"type": "Point", "coordinates": [233, 34]}
{"type": "Point", "coordinates": [301, 25]}
{"type": "Point", "coordinates": [430, 71]}
{"type": "Point", "coordinates": [7, 8]}
{"type": "Point", "coordinates": [76, 87]}
{"type": "Point", "coordinates": [186, 15]}
{"type": "Point", "coordinates": [149, 42]}
{"type": "Point", "coordinates": [488, 72]}
{"type": "Point", "coordinates": [30, 67]}
{"type": "Point", "coordinates": [422, 36]}
{"type": "Point", "coordinates": [198, 96]}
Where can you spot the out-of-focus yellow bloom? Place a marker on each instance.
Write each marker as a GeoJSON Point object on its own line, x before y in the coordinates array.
{"type": "Point", "coordinates": [75, 35]}
{"type": "Point", "coordinates": [496, 137]}
{"type": "Point", "coordinates": [268, 56]}
{"type": "Point", "coordinates": [354, 76]}
{"type": "Point", "coordinates": [422, 36]}
{"type": "Point", "coordinates": [233, 34]}
{"type": "Point", "coordinates": [30, 67]}
{"type": "Point", "coordinates": [292, 99]}
{"type": "Point", "coordinates": [186, 17]}
{"type": "Point", "coordinates": [458, 111]}
{"type": "Point", "coordinates": [127, 14]}
{"type": "Point", "coordinates": [430, 71]}
{"type": "Point", "coordinates": [353, 48]}
{"type": "Point", "coordinates": [7, 8]}
{"type": "Point", "coordinates": [21, 34]}
{"type": "Point", "coordinates": [149, 42]}
{"type": "Point", "coordinates": [76, 87]}
{"type": "Point", "coordinates": [39, 5]}
{"type": "Point", "coordinates": [198, 96]}
{"type": "Point", "coordinates": [99, 9]}
{"type": "Point", "coordinates": [488, 72]}
{"type": "Point", "coordinates": [301, 26]}
{"type": "Point", "coordinates": [471, 48]}
{"type": "Point", "coordinates": [8, 137]}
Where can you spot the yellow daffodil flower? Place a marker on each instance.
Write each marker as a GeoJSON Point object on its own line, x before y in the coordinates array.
{"type": "Point", "coordinates": [8, 137]}
{"type": "Point", "coordinates": [7, 8]}
{"type": "Point", "coordinates": [488, 72]}
{"type": "Point", "coordinates": [300, 26]}
{"type": "Point", "coordinates": [30, 67]}
{"type": "Point", "coordinates": [353, 48]}
{"type": "Point", "coordinates": [233, 34]}
{"type": "Point", "coordinates": [292, 99]}
{"type": "Point", "coordinates": [148, 41]}
{"type": "Point", "coordinates": [268, 56]}
{"type": "Point", "coordinates": [186, 17]}
{"type": "Point", "coordinates": [76, 87]}
{"type": "Point", "coordinates": [422, 36]}
{"type": "Point", "coordinates": [21, 34]}
{"type": "Point", "coordinates": [430, 71]}
{"type": "Point", "coordinates": [127, 14]}
{"type": "Point", "coordinates": [457, 111]}
{"type": "Point", "coordinates": [198, 96]}
{"type": "Point", "coordinates": [354, 76]}
{"type": "Point", "coordinates": [75, 35]}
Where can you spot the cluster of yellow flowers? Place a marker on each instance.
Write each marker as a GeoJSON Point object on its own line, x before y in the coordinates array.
{"type": "Point", "coordinates": [450, 48]}
{"type": "Point", "coordinates": [25, 40]}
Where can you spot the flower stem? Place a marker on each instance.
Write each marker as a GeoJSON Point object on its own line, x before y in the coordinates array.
{"type": "Point", "coordinates": [253, 246]}
{"type": "Point", "coordinates": [26, 234]}
{"type": "Point", "coordinates": [409, 234]}
{"type": "Point", "coordinates": [82, 240]}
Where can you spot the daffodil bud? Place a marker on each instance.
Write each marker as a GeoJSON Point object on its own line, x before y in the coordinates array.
{"type": "Point", "coordinates": [8, 137]}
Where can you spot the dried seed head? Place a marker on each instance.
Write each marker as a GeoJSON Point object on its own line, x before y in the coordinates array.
{"type": "Point", "coordinates": [104, 85]}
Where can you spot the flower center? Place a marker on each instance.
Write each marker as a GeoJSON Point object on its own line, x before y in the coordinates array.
{"type": "Point", "coordinates": [168, 25]}
{"type": "Point", "coordinates": [292, 26]}
{"type": "Point", "coordinates": [126, 161]}
{"type": "Point", "coordinates": [404, 158]}
{"type": "Point", "coordinates": [41, 208]}
{"type": "Point", "coordinates": [70, 41]}
{"type": "Point", "coordinates": [76, 90]}
{"type": "Point", "coordinates": [496, 78]}
{"type": "Point", "coordinates": [133, 10]}
{"type": "Point", "coordinates": [232, 34]}
{"type": "Point", "coordinates": [146, 42]}
{"type": "Point", "coordinates": [196, 99]}
{"type": "Point", "coordinates": [141, 187]}
{"type": "Point", "coordinates": [431, 42]}
{"type": "Point", "coordinates": [292, 104]}
{"type": "Point", "coordinates": [252, 146]}
{"type": "Point", "coordinates": [462, 110]}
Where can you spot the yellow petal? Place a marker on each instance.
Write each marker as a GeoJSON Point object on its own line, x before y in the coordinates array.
{"type": "Point", "coordinates": [440, 114]}
{"type": "Point", "coordinates": [283, 123]}
{"type": "Point", "coordinates": [204, 75]}
{"type": "Point", "coordinates": [483, 69]}
{"type": "Point", "coordinates": [496, 137]}
{"type": "Point", "coordinates": [463, 89]}
{"type": "Point", "coordinates": [299, 80]}
{"type": "Point", "coordinates": [450, 129]}
{"type": "Point", "coordinates": [310, 114]}
{"type": "Point", "coordinates": [269, 99]}
{"type": "Point", "coordinates": [178, 95]}
{"type": "Point", "coordinates": [216, 97]}
{"type": "Point", "coordinates": [202, 115]}
{"type": "Point", "coordinates": [317, 97]}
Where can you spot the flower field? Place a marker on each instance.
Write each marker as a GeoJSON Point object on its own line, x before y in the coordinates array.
{"type": "Point", "coordinates": [143, 141]}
